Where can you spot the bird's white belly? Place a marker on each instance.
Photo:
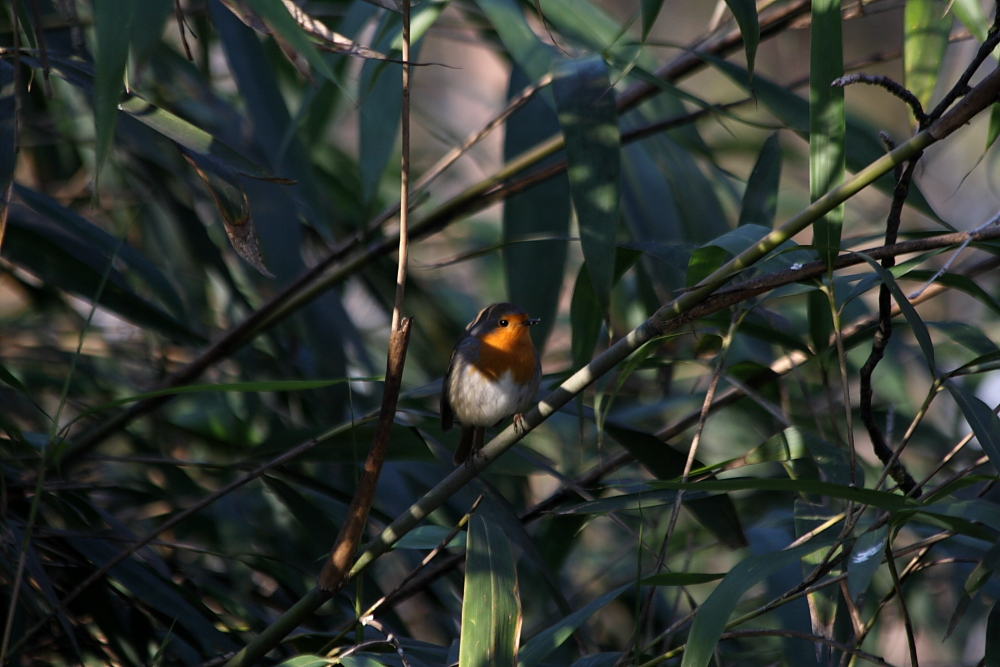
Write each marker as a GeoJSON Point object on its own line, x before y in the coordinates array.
{"type": "Point", "coordinates": [480, 401]}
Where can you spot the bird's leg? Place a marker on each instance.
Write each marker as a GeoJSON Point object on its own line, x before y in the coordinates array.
{"type": "Point", "coordinates": [519, 425]}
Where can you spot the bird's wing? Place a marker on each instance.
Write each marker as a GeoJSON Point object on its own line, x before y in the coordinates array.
{"type": "Point", "coordinates": [447, 414]}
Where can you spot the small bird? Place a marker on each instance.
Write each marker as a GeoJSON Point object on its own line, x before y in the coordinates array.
{"type": "Point", "coordinates": [494, 373]}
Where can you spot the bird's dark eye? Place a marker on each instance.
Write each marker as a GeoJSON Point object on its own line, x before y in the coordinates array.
{"type": "Point", "coordinates": [504, 323]}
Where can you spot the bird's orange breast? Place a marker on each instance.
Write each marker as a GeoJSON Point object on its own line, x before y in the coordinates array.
{"type": "Point", "coordinates": [503, 350]}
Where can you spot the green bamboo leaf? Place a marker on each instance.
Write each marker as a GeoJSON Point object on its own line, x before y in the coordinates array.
{"type": "Point", "coordinates": [994, 128]}
{"type": "Point", "coordinates": [982, 420]}
{"type": "Point", "coordinates": [890, 502]}
{"type": "Point", "coordinates": [195, 140]}
{"type": "Point", "coordinates": [975, 581]}
{"type": "Point", "coordinates": [148, 19]}
{"type": "Point", "coordinates": [711, 255]}
{"type": "Point", "coordinates": [970, 13]}
{"type": "Point", "coordinates": [589, 120]}
{"type": "Point", "coordinates": [585, 319]}
{"type": "Point", "coordinates": [979, 510]}
{"type": "Point", "coordinates": [381, 106]}
{"type": "Point", "coordinates": [548, 640]}
{"type": "Point", "coordinates": [760, 199]}
{"type": "Point", "coordinates": [491, 609]}
{"type": "Point", "coordinates": [703, 263]}
{"type": "Point", "coordinates": [585, 313]}
{"type": "Point", "coordinates": [423, 18]}
{"type": "Point", "coordinates": [827, 125]}
{"type": "Point", "coordinates": [981, 364]}
{"type": "Point", "coordinates": [112, 24]}
{"type": "Point", "coordinates": [865, 560]}
{"type": "Point", "coordinates": [310, 661]}
{"type": "Point", "coordinates": [530, 53]}
{"type": "Point", "coordinates": [968, 336]}
{"type": "Point", "coordinates": [627, 502]}
{"type": "Point", "coordinates": [276, 16]}
{"type": "Point", "coordinates": [926, 25]}
{"type": "Point", "coordinates": [957, 282]}
{"type": "Point", "coordinates": [909, 312]}
{"type": "Point", "coordinates": [716, 513]}
{"type": "Point", "coordinates": [714, 613]}
{"type": "Point", "coordinates": [745, 13]}
{"type": "Point", "coordinates": [429, 537]}
{"type": "Point", "coordinates": [650, 10]}
{"type": "Point", "coordinates": [534, 271]}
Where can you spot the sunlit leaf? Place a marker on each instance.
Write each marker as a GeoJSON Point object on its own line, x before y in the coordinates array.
{"type": "Point", "coordinates": [491, 608]}
{"type": "Point", "coordinates": [926, 25]}
{"type": "Point", "coordinates": [865, 560]}
{"type": "Point", "coordinates": [827, 150]}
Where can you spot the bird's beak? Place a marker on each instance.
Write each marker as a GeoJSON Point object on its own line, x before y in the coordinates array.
{"type": "Point", "coordinates": [528, 323]}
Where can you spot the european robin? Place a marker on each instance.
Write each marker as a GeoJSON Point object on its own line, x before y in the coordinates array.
{"type": "Point", "coordinates": [494, 373]}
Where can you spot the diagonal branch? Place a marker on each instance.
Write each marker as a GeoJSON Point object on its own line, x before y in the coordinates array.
{"type": "Point", "coordinates": [323, 275]}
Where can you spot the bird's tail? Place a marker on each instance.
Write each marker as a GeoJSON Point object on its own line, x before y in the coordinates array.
{"type": "Point", "coordinates": [469, 442]}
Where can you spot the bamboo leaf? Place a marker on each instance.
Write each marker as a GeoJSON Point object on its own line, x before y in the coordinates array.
{"type": "Point", "coordinates": [745, 13]}
{"type": "Point", "coordinates": [589, 120]}
{"type": "Point", "coordinates": [195, 140]}
{"type": "Point", "coordinates": [714, 613]}
{"type": "Point", "coordinates": [534, 271]}
{"type": "Point", "coordinates": [112, 23]}
{"type": "Point", "coordinates": [865, 560]}
{"type": "Point", "coordinates": [827, 124]}
{"type": "Point", "coordinates": [529, 52]}
{"type": "Point", "coordinates": [982, 420]}
{"type": "Point", "coordinates": [926, 25]}
{"type": "Point", "coordinates": [548, 640]}
{"type": "Point", "coordinates": [760, 199]}
{"type": "Point", "coordinates": [650, 10]}
{"type": "Point", "coordinates": [275, 15]}
{"type": "Point", "coordinates": [909, 312]}
{"type": "Point", "coordinates": [491, 610]}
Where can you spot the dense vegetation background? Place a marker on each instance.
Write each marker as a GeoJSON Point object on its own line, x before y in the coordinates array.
{"type": "Point", "coordinates": [756, 289]}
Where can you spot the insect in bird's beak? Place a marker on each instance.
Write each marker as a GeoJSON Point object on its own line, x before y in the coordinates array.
{"type": "Point", "coordinates": [528, 323]}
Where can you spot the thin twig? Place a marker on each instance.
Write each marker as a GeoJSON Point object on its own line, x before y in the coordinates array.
{"type": "Point", "coordinates": [183, 28]}
{"type": "Point", "coordinates": [961, 86]}
{"type": "Point", "coordinates": [881, 340]}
